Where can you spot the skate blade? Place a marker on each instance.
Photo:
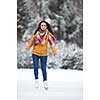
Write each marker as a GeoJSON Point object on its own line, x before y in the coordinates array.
{"type": "Point", "coordinates": [46, 88]}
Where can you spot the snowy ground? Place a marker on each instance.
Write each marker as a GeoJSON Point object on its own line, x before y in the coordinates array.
{"type": "Point", "coordinates": [63, 85]}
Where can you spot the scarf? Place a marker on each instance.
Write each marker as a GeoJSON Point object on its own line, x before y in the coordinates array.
{"type": "Point", "coordinates": [41, 37]}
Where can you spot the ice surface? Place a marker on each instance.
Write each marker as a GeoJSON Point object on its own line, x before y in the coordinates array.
{"type": "Point", "coordinates": [63, 85]}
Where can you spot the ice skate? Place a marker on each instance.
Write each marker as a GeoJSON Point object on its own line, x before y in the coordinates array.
{"type": "Point", "coordinates": [45, 85]}
{"type": "Point", "coordinates": [36, 84]}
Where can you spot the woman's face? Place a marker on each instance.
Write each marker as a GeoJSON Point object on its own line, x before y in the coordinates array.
{"type": "Point", "coordinates": [43, 26]}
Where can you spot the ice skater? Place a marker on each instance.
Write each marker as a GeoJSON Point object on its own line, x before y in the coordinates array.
{"type": "Point", "coordinates": [39, 41]}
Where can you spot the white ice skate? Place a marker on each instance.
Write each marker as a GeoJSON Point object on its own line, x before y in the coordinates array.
{"type": "Point", "coordinates": [45, 85]}
{"type": "Point", "coordinates": [36, 84]}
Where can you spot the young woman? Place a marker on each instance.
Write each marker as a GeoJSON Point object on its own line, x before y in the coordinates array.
{"type": "Point", "coordinates": [39, 41]}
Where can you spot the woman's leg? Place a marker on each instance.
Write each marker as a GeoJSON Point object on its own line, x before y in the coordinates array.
{"type": "Point", "coordinates": [36, 64]}
{"type": "Point", "coordinates": [43, 67]}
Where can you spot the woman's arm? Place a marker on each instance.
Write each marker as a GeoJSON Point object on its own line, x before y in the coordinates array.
{"type": "Point", "coordinates": [54, 51]}
{"type": "Point", "coordinates": [30, 42]}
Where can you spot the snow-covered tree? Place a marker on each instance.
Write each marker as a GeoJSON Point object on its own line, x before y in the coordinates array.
{"type": "Point", "coordinates": [68, 17]}
{"type": "Point", "coordinates": [23, 18]}
{"type": "Point", "coordinates": [66, 20]}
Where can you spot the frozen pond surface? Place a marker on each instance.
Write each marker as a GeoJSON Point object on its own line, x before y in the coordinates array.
{"type": "Point", "coordinates": [63, 85]}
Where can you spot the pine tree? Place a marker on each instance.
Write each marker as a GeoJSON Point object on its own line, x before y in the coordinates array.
{"type": "Point", "coordinates": [68, 15]}
{"type": "Point", "coordinates": [23, 18]}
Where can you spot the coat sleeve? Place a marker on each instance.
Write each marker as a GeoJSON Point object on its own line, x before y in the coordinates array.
{"type": "Point", "coordinates": [54, 51]}
{"type": "Point", "coordinates": [30, 42]}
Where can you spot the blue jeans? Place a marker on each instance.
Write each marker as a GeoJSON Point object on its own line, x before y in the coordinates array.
{"type": "Point", "coordinates": [43, 60]}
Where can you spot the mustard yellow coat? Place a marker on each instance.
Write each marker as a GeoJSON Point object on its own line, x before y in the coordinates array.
{"type": "Point", "coordinates": [39, 49]}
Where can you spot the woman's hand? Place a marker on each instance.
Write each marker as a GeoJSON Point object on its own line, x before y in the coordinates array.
{"type": "Point", "coordinates": [25, 50]}
{"type": "Point", "coordinates": [55, 56]}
